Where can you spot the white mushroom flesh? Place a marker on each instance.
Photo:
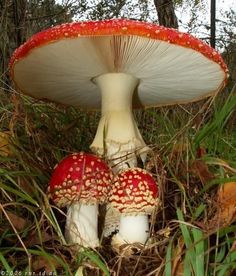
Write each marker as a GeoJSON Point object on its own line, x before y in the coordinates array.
{"type": "Point", "coordinates": [81, 225]}
{"type": "Point", "coordinates": [118, 137]}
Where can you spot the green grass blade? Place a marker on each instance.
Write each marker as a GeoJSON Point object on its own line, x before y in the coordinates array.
{"type": "Point", "coordinates": [5, 265]}
{"type": "Point", "coordinates": [228, 265]}
{"type": "Point", "coordinates": [200, 249]}
{"type": "Point", "coordinates": [187, 265]}
{"type": "Point", "coordinates": [53, 220]}
{"type": "Point", "coordinates": [221, 116]}
{"type": "Point", "coordinates": [199, 211]}
{"type": "Point", "coordinates": [18, 193]}
{"type": "Point", "coordinates": [94, 257]}
{"type": "Point", "coordinates": [50, 258]}
{"type": "Point", "coordinates": [190, 252]}
{"type": "Point", "coordinates": [220, 254]}
{"type": "Point", "coordinates": [168, 264]}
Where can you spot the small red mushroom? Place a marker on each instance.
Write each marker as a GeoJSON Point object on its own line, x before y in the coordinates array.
{"type": "Point", "coordinates": [135, 195]}
{"type": "Point", "coordinates": [80, 182]}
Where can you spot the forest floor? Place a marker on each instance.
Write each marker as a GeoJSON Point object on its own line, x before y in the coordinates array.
{"type": "Point", "coordinates": [193, 159]}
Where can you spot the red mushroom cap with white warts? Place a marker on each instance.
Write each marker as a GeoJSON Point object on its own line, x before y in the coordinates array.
{"type": "Point", "coordinates": [172, 67]}
{"type": "Point", "coordinates": [80, 176]}
{"type": "Point", "coordinates": [134, 192]}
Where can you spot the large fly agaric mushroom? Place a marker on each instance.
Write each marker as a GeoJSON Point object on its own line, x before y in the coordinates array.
{"type": "Point", "coordinates": [80, 182]}
{"type": "Point", "coordinates": [131, 63]}
{"type": "Point", "coordinates": [134, 195]}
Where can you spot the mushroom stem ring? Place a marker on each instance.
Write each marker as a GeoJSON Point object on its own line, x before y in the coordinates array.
{"type": "Point", "coordinates": [118, 137]}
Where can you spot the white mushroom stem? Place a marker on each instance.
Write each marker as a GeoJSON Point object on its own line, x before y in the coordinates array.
{"type": "Point", "coordinates": [132, 229]}
{"type": "Point", "coordinates": [82, 224]}
{"type": "Point", "coordinates": [118, 137]}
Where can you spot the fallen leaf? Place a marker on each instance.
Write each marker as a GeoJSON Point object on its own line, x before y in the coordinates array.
{"type": "Point", "coordinates": [18, 222]}
{"type": "Point", "coordinates": [5, 141]}
{"type": "Point", "coordinates": [179, 269]}
{"type": "Point", "coordinates": [25, 185]}
{"type": "Point", "coordinates": [200, 168]}
{"type": "Point", "coordinates": [43, 264]}
{"type": "Point", "coordinates": [227, 194]}
{"type": "Point", "coordinates": [34, 238]}
{"type": "Point", "coordinates": [201, 151]}
{"type": "Point", "coordinates": [226, 207]}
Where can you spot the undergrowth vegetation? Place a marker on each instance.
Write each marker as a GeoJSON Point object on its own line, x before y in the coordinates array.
{"type": "Point", "coordinates": [193, 156]}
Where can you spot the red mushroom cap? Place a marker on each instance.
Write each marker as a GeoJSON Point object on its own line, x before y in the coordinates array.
{"type": "Point", "coordinates": [59, 63]}
{"type": "Point", "coordinates": [80, 176]}
{"type": "Point", "coordinates": [134, 191]}
{"type": "Point", "coordinates": [115, 27]}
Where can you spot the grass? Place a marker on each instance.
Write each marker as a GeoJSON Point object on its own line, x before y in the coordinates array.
{"type": "Point", "coordinates": [40, 135]}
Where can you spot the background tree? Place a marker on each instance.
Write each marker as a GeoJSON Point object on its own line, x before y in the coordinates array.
{"type": "Point", "coordinates": [213, 23]}
{"type": "Point", "coordinates": [22, 18]}
{"type": "Point", "coordinates": [166, 13]}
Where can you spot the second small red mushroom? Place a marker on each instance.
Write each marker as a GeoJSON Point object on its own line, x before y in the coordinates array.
{"type": "Point", "coordinates": [134, 195]}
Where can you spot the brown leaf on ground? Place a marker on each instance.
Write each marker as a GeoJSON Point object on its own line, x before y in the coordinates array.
{"type": "Point", "coordinates": [35, 239]}
{"type": "Point", "coordinates": [226, 207]}
{"type": "Point", "coordinates": [179, 269]}
{"type": "Point", "coordinates": [201, 151]}
{"type": "Point", "coordinates": [200, 169]}
{"type": "Point", "coordinates": [227, 194]}
{"type": "Point", "coordinates": [5, 141]}
{"type": "Point", "coordinates": [43, 264]}
{"type": "Point", "coordinates": [18, 222]}
{"type": "Point", "coordinates": [25, 185]}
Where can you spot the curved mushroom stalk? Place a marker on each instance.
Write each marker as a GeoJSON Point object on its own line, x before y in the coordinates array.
{"type": "Point", "coordinates": [118, 137]}
{"type": "Point", "coordinates": [81, 225]}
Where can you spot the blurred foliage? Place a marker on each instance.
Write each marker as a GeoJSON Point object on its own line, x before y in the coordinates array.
{"type": "Point", "coordinates": [22, 18]}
